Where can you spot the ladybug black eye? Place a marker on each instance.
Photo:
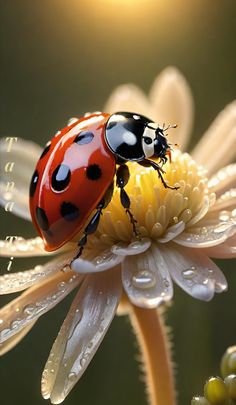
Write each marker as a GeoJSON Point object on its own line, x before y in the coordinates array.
{"type": "Point", "coordinates": [147, 140]}
{"type": "Point", "coordinates": [84, 137]}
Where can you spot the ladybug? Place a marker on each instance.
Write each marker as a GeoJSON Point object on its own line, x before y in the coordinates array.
{"type": "Point", "coordinates": [75, 173]}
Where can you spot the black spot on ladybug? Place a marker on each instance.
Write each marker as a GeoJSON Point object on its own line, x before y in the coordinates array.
{"type": "Point", "coordinates": [42, 219]}
{"type": "Point", "coordinates": [69, 211]}
{"type": "Point", "coordinates": [84, 137]}
{"type": "Point", "coordinates": [93, 172]}
{"type": "Point", "coordinates": [45, 151]}
{"type": "Point", "coordinates": [61, 177]}
{"type": "Point", "coordinates": [33, 183]}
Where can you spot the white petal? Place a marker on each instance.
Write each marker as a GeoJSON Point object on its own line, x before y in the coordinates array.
{"type": "Point", "coordinates": [172, 232]}
{"type": "Point", "coordinates": [146, 279]}
{"type": "Point", "coordinates": [206, 236]}
{"type": "Point", "coordinates": [81, 334]}
{"type": "Point", "coordinates": [14, 282]}
{"type": "Point", "coordinates": [128, 97]}
{"type": "Point", "coordinates": [226, 250]}
{"type": "Point", "coordinates": [14, 340]}
{"type": "Point", "coordinates": [134, 248]}
{"type": "Point", "coordinates": [172, 100]}
{"type": "Point", "coordinates": [202, 212]}
{"type": "Point", "coordinates": [35, 302]}
{"type": "Point", "coordinates": [226, 201]}
{"type": "Point", "coordinates": [23, 247]}
{"type": "Point", "coordinates": [24, 154]}
{"type": "Point", "coordinates": [95, 261]}
{"type": "Point", "coordinates": [194, 272]}
{"type": "Point", "coordinates": [217, 146]}
{"type": "Point", "coordinates": [223, 180]}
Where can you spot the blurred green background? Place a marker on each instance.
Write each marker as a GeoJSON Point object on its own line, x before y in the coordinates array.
{"type": "Point", "coordinates": [62, 58]}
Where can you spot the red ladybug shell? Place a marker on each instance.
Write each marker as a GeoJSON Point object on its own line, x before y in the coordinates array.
{"type": "Point", "coordinates": [71, 177]}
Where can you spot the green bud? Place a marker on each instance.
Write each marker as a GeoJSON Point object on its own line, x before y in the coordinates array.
{"type": "Point", "coordinates": [230, 382]}
{"type": "Point", "coordinates": [215, 391]}
{"type": "Point", "coordinates": [228, 362]}
{"type": "Point", "coordinates": [200, 401]}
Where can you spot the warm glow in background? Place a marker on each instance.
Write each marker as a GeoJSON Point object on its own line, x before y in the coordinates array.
{"type": "Point", "coordinates": [61, 58]}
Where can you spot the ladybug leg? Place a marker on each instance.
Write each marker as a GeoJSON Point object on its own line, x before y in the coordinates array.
{"type": "Point", "coordinates": [94, 221]}
{"type": "Point", "coordinates": [163, 161]}
{"type": "Point", "coordinates": [160, 171]}
{"type": "Point", "coordinates": [122, 178]}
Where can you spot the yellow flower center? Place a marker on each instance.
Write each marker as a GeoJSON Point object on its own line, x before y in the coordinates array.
{"type": "Point", "coordinates": [156, 208]}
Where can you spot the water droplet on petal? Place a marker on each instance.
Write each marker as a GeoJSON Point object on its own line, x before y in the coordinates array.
{"type": "Point", "coordinates": [219, 287]}
{"type": "Point", "coordinates": [202, 292]}
{"type": "Point", "coordinates": [224, 216]}
{"type": "Point", "coordinates": [189, 273]}
{"type": "Point", "coordinates": [98, 260]}
{"type": "Point", "coordinates": [66, 268]}
{"type": "Point", "coordinates": [166, 282]}
{"type": "Point", "coordinates": [101, 328]}
{"type": "Point", "coordinates": [62, 286]}
{"type": "Point", "coordinates": [29, 309]}
{"type": "Point", "coordinates": [84, 359]}
{"type": "Point", "coordinates": [72, 376]}
{"type": "Point", "coordinates": [14, 324]}
{"type": "Point", "coordinates": [144, 279]}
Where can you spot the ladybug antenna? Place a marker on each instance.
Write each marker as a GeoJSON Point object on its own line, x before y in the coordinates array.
{"type": "Point", "coordinates": [168, 127]}
{"type": "Point", "coordinates": [155, 126]}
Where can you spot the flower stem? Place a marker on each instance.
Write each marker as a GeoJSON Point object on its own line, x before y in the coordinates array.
{"type": "Point", "coordinates": [155, 349]}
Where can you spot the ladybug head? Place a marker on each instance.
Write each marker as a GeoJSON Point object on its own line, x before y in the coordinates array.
{"type": "Point", "coordinates": [133, 137]}
{"type": "Point", "coordinates": [154, 142]}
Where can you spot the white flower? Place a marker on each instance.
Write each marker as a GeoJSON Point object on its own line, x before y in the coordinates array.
{"type": "Point", "coordinates": [181, 229]}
